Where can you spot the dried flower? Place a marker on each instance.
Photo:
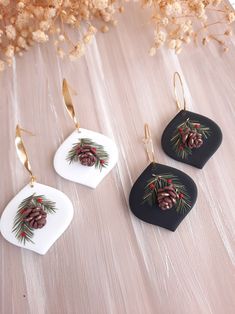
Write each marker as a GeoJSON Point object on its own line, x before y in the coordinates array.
{"type": "Point", "coordinates": [178, 22]}
{"type": "Point", "coordinates": [10, 32]}
{"type": "Point", "coordinates": [25, 22]}
{"type": "Point", "coordinates": [78, 51]}
{"type": "Point", "coordinates": [100, 4]}
{"type": "Point", "coordinates": [39, 36]}
{"type": "Point", "coordinates": [10, 51]}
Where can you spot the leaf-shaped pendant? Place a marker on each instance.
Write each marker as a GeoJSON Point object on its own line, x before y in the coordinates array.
{"type": "Point", "coordinates": [191, 138]}
{"type": "Point", "coordinates": [86, 157]}
{"type": "Point", "coordinates": [36, 217]}
{"type": "Point", "coordinates": [162, 196]}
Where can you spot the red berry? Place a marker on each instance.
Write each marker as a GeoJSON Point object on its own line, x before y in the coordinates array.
{"type": "Point", "coordinates": [93, 149]}
{"type": "Point", "coordinates": [181, 195]}
{"type": "Point", "coordinates": [23, 234]}
{"type": "Point", "coordinates": [180, 130]}
{"type": "Point", "coordinates": [169, 180]}
{"type": "Point", "coordinates": [39, 200]}
{"type": "Point", "coordinates": [152, 186]}
{"type": "Point", "coordinates": [197, 126]}
{"type": "Point", "coordinates": [102, 161]}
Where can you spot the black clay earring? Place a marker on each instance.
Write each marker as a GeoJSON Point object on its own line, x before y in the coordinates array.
{"type": "Point", "coordinates": [190, 138]}
{"type": "Point", "coordinates": [162, 195]}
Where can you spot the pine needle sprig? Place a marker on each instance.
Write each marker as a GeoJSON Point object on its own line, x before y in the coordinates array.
{"type": "Point", "coordinates": [101, 156]}
{"type": "Point", "coordinates": [183, 203]}
{"type": "Point", "coordinates": [23, 232]}
{"type": "Point", "coordinates": [183, 151]}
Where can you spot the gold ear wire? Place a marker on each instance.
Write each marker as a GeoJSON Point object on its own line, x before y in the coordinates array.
{"type": "Point", "coordinates": [69, 104]}
{"type": "Point", "coordinates": [148, 143]}
{"type": "Point", "coordinates": [179, 105]}
{"type": "Point", "coordinates": [22, 153]}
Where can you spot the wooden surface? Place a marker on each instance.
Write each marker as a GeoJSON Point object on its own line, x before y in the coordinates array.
{"type": "Point", "coordinates": [108, 261]}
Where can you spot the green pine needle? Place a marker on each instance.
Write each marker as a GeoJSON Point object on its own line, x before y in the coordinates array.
{"type": "Point", "coordinates": [184, 151]}
{"type": "Point", "coordinates": [160, 181]}
{"type": "Point", "coordinates": [102, 157]}
{"type": "Point", "coordinates": [23, 232]}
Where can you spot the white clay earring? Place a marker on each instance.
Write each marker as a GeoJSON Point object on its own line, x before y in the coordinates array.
{"type": "Point", "coordinates": [85, 157]}
{"type": "Point", "coordinates": [38, 215]}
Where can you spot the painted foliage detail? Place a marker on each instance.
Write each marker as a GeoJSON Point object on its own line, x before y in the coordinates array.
{"type": "Point", "coordinates": [32, 214]}
{"type": "Point", "coordinates": [89, 154]}
{"type": "Point", "coordinates": [188, 136]}
{"type": "Point", "coordinates": [166, 192]}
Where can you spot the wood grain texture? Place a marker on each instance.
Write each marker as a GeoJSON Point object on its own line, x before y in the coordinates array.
{"type": "Point", "coordinates": [108, 261]}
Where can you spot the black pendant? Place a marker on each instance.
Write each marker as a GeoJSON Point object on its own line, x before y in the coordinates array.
{"type": "Point", "coordinates": [162, 196]}
{"type": "Point", "coordinates": [191, 138]}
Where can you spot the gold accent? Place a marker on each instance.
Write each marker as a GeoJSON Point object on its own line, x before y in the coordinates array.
{"type": "Point", "coordinates": [148, 143]}
{"type": "Point", "coordinates": [69, 104]}
{"type": "Point", "coordinates": [22, 153]}
{"type": "Point", "coordinates": [179, 105]}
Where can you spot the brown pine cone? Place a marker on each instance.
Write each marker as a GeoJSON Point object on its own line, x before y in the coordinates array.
{"type": "Point", "coordinates": [35, 217]}
{"type": "Point", "coordinates": [166, 197]}
{"type": "Point", "coordinates": [86, 155]}
{"type": "Point", "coordinates": [191, 138]}
{"type": "Point", "coordinates": [185, 135]}
{"type": "Point", "coordinates": [194, 140]}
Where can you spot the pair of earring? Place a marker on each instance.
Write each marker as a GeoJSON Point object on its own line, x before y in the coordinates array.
{"type": "Point", "coordinates": [163, 195]}
{"type": "Point", "coordinates": [85, 157]}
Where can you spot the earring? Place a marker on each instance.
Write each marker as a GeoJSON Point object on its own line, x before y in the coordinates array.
{"type": "Point", "coordinates": [38, 215]}
{"type": "Point", "coordinates": [85, 157]}
{"type": "Point", "coordinates": [162, 195]}
{"type": "Point", "coordinates": [190, 138]}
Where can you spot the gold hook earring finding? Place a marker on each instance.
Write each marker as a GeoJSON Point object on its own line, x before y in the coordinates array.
{"type": "Point", "coordinates": [179, 104]}
{"type": "Point", "coordinates": [69, 104]}
{"type": "Point", "coordinates": [148, 143]}
{"type": "Point", "coordinates": [22, 153]}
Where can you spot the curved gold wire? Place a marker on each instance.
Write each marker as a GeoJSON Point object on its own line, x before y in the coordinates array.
{"type": "Point", "coordinates": [69, 104]}
{"type": "Point", "coordinates": [149, 143]}
{"type": "Point", "coordinates": [179, 105]}
{"type": "Point", "coordinates": [22, 153]}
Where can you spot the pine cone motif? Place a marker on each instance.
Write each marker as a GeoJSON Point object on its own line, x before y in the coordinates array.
{"type": "Point", "coordinates": [192, 139]}
{"type": "Point", "coordinates": [35, 217]}
{"type": "Point", "coordinates": [86, 155]}
{"type": "Point", "coordinates": [167, 197]}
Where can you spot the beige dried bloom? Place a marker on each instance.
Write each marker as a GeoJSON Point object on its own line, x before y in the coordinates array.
{"type": "Point", "coordinates": [21, 42]}
{"type": "Point", "coordinates": [10, 51]}
{"type": "Point", "coordinates": [178, 22]}
{"type": "Point", "coordinates": [45, 25]}
{"type": "Point", "coordinates": [100, 4]}
{"type": "Point", "coordinates": [24, 23]}
{"type": "Point", "coordinates": [77, 52]}
{"type": "Point", "coordinates": [20, 5]}
{"type": "Point", "coordinates": [39, 36]}
{"type": "Point", "coordinates": [159, 38]}
{"type": "Point", "coordinates": [10, 32]}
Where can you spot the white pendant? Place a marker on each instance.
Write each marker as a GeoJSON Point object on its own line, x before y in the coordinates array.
{"type": "Point", "coordinates": [89, 176]}
{"type": "Point", "coordinates": [56, 224]}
